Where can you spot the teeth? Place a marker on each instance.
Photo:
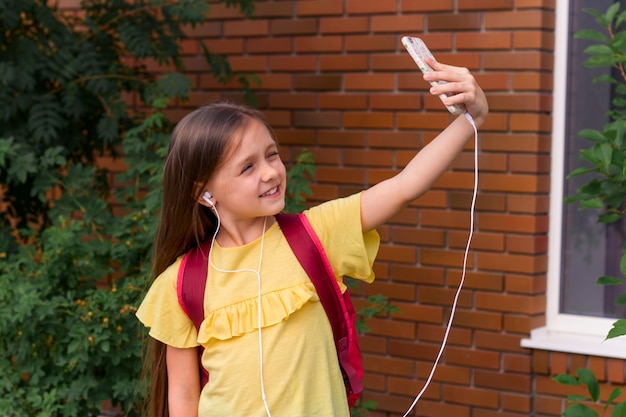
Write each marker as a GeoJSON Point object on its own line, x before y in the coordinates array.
{"type": "Point", "coordinates": [272, 191]}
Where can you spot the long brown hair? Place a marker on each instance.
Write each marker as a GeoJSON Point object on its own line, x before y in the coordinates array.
{"type": "Point", "coordinates": [197, 146]}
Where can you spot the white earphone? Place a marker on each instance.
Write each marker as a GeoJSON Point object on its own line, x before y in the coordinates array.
{"type": "Point", "coordinates": [207, 197]}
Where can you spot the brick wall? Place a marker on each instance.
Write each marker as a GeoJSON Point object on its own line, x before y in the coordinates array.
{"type": "Point", "coordinates": [336, 81]}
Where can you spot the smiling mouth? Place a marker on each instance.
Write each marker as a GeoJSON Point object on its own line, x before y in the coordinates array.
{"type": "Point", "coordinates": [270, 192]}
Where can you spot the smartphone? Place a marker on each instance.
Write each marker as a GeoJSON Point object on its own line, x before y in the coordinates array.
{"type": "Point", "coordinates": [419, 52]}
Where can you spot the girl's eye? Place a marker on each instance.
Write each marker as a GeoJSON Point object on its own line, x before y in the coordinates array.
{"type": "Point", "coordinates": [246, 168]}
{"type": "Point", "coordinates": [272, 154]}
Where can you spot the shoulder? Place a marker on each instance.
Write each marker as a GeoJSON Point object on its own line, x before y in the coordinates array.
{"type": "Point", "coordinates": [335, 210]}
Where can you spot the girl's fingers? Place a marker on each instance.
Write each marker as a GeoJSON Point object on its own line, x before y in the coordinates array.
{"type": "Point", "coordinates": [460, 86]}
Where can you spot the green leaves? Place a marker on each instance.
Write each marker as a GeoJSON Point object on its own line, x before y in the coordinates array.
{"type": "Point", "coordinates": [577, 408]}
{"type": "Point", "coordinates": [72, 272]}
{"type": "Point", "coordinates": [298, 180]}
{"type": "Point", "coordinates": [618, 329]}
{"type": "Point", "coordinates": [606, 185]}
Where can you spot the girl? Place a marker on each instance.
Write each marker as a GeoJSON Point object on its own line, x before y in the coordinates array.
{"type": "Point", "coordinates": [268, 345]}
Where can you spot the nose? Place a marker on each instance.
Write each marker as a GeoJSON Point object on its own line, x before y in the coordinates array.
{"type": "Point", "coordinates": [268, 171]}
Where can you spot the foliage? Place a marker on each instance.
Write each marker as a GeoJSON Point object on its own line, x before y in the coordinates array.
{"type": "Point", "coordinates": [362, 407]}
{"type": "Point", "coordinates": [75, 88]}
{"type": "Point", "coordinates": [607, 188]}
{"type": "Point", "coordinates": [607, 153]}
{"type": "Point", "coordinates": [584, 377]}
{"type": "Point", "coordinates": [67, 344]}
{"type": "Point", "coordinates": [298, 180]}
{"type": "Point", "coordinates": [64, 79]}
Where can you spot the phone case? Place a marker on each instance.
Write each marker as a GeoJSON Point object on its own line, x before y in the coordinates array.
{"type": "Point", "coordinates": [419, 52]}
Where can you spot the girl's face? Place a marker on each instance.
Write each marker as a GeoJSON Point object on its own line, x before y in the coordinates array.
{"type": "Point", "coordinates": [251, 181]}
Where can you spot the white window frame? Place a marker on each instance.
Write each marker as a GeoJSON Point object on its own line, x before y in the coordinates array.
{"type": "Point", "coordinates": [565, 332]}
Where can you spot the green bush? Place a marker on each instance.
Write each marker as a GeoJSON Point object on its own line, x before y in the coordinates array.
{"type": "Point", "coordinates": [72, 268]}
{"type": "Point", "coordinates": [606, 158]}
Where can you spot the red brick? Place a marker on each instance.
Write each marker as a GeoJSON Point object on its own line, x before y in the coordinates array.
{"type": "Point", "coordinates": [445, 373]}
{"type": "Point", "coordinates": [422, 6]}
{"type": "Point", "coordinates": [527, 204]}
{"type": "Point", "coordinates": [395, 101]}
{"type": "Point", "coordinates": [373, 7]}
{"type": "Point", "coordinates": [421, 313]}
{"type": "Point", "coordinates": [316, 119]}
{"type": "Point", "coordinates": [293, 63]}
{"type": "Point", "coordinates": [370, 43]}
{"type": "Point", "coordinates": [319, 7]}
{"type": "Point", "coordinates": [418, 275]}
{"type": "Point", "coordinates": [498, 342]}
{"type": "Point", "coordinates": [480, 241]}
{"type": "Point", "coordinates": [246, 28]}
{"type": "Point", "coordinates": [457, 336]}
{"type": "Point", "coordinates": [325, 44]}
{"type": "Point", "coordinates": [512, 263]}
{"type": "Point", "coordinates": [397, 23]}
{"type": "Point", "coordinates": [485, 4]}
{"type": "Point", "coordinates": [516, 402]}
{"type": "Point", "coordinates": [343, 63]}
{"type": "Point", "coordinates": [525, 284]}
{"type": "Point", "coordinates": [419, 237]}
{"type": "Point", "coordinates": [455, 22]}
{"type": "Point", "coordinates": [525, 224]}
{"type": "Point", "coordinates": [485, 41]}
{"type": "Point", "coordinates": [398, 385]}
{"type": "Point", "coordinates": [336, 25]}
{"type": "Point", "coordinates": [533, 39]}
{"type": "Point", "coordinates": [478, 320]}
{"type": "Point", "coordinates": [530, 19]}
{"type": "Point", "coordinates": [275, 82]}
{"type": "Point", "coordinates": [443, 296]}
{"type": "Point", "coordinates": [346, 101]}
{"type": "Point", "coordinates": [369, 82]}
{"type": "Point", "coordinates": [472, 358]}
{"type": "Point", "coordinates": [500, 381]}
{"type": "Point", "coordinates": [471, 396]}
{"type": "Point", "coordinates": [347, 175]}
{"type": "Point", "coordinates": [341, 138]}
{"type": "Point", "coordinates": [413, 350]}
{"type": "Point", "coordinates": [395, 291]}
{"type": "Point", "coordinates": [397, 253]}
{"type": "Point", "coordinates": [532, 82]}
{"type": "Point", "coordinates": [448, 219]}
{"type": "Point", "coordinates": [521, 324]}
{"type": "Point", "coordinates": [360, 157]}
{"type": "Point", "coordinates": [282, 27]}
{"type": "Point", "coordinates": [268, 45]}
{"type": "Point", "coordinates": [248, 63]}
{"type": "Point", "coordinates": [317, 82]}
{"type": "Point", "coordinates": [615, 371]}
{"type": "Point", "coordinates": [378, 120]}
{"type": "Point", "coordinates": [527, 244]}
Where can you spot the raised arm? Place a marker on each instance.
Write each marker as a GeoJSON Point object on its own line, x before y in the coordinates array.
{"type": "Point", "coordinates": [382, 201]}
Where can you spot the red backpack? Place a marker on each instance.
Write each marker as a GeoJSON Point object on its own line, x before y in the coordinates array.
{"type": "Point", "coordinates": [308, 249]}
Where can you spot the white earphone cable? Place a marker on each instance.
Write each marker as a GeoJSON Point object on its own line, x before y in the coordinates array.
{"type": "Point", "coordinates": [259, 310]}
{"type": "Point", "coordinates": [465, 256]}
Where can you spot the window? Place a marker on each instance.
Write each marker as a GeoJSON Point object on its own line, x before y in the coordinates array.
{"type": "Point", "coordinates": [579, 312]}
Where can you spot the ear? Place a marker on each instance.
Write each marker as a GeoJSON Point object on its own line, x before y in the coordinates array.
{"type": "Point", "coordinates": [205, 200]}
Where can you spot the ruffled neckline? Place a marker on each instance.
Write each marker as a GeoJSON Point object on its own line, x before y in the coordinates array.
{"type": "Point", "coordinates": [242, 317]}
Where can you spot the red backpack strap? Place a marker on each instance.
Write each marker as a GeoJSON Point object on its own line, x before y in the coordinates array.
{"type": "Point", "coordinates": [190, 287]}
{"type": "Point", "coordinates": [310, 253]}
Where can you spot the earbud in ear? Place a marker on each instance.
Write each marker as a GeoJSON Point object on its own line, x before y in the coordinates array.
{"type": "Point", "coordinates": [207, 197]}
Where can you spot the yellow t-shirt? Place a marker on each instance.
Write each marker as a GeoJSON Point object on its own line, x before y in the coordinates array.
{"type": "Point", "coordinates": [301, 372]}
